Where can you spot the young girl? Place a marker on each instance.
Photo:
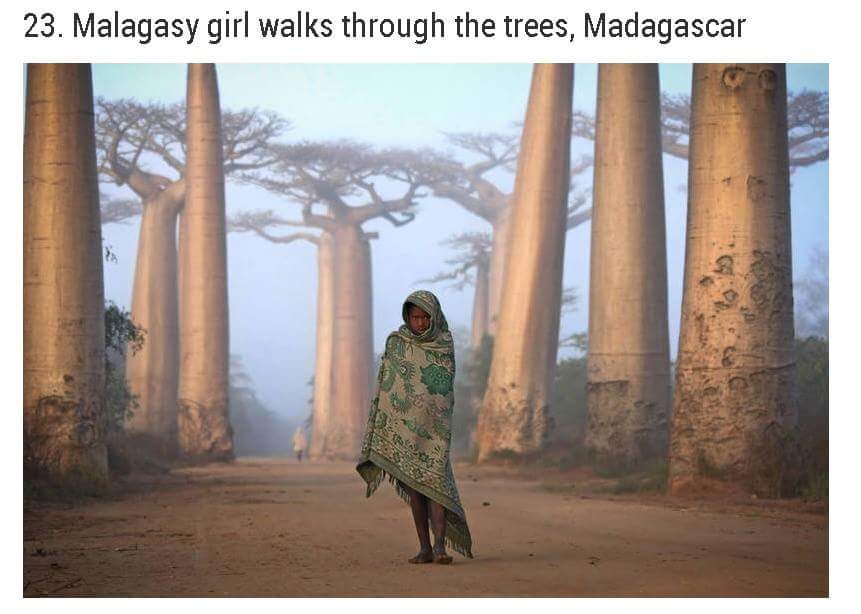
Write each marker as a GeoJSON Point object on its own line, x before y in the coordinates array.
{"type": "Point", "coordinates": [408, 436]}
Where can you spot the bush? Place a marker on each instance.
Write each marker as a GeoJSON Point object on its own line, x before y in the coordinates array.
{"type": "Point", "coordinates": [121, 335]}
{"type": "Point", "coordinates": [816, 488]}
{"type": "Point", "coordinates": [569, 402]}
{"type": "Point", "coordinates": [811, 355]}
{"type": "Point", "coordinates": [469, 385]}
{"type": "Point", "coordinates": [76, 484]}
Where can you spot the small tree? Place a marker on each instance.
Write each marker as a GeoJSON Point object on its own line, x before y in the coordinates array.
{"type": "Point", "coordinates": [122, 335]}
{"type": "Point", "coordinates": [811, 302]}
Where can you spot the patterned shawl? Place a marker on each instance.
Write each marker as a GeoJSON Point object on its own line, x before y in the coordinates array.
{"type": "Point", "coordinates": [408, 436]}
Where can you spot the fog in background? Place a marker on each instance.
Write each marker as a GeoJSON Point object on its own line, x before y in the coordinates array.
{"type": "Point", "coordinates": [273, 288]}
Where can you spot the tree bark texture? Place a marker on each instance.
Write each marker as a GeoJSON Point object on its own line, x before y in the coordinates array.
{"type": "Point", "coordinates": [64, 309]}
{"type": "Point", "coordinates": [322, 413]}
{"type": "Point", "coordinates": [353, 362]}
{"type": "Point", "coordinates": [628, 390]}
{"type": "Point", "coordinates": [734, 396]}
{"type": "Point", "coordinates": [496, 274]}
{"type": "Point", "coordinates": [480, 305]}
{"type": "Point", "coordinates": [153, 371]}
{"type": "Point", "coordinates": [515, 417]}
{"type": "Point", "coordinates": [204, 426]}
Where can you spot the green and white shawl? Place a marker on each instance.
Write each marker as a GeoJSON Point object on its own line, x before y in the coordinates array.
{"type": "Point", "coordinates": [408, 436]}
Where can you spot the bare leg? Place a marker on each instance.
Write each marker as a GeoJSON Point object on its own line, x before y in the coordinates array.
{"type": "Point", "coordinates": [437, 518]}
{"type": "Point", "coordinates": [419, 506]}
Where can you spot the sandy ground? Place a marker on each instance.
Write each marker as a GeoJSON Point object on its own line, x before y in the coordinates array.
{"type": "Point", "coordinates": [262, 527]}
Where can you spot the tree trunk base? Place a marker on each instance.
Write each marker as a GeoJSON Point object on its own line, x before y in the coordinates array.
{"type": "Point", "coordinates": [624, 427]}
{"type": "Point", "coordinates": [513, 425]}
{"type": "Point", "coordinates": [205, 433]}
{"type": "Point", "coordinates": [61, 439]}
{"type": "Point", "coordinates": [736, 427]}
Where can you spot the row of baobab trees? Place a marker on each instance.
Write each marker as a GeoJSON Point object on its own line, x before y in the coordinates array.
{"type": "Point", "coordinates": [64, 338]}
{"type": "Point", "coordinates": [734, 375]}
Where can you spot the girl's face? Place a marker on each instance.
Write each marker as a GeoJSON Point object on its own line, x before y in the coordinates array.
{"type": "Point", "coordinates": [418, 319]}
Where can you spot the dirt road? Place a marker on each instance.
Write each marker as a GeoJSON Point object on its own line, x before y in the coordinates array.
{"type": "Point", "coordinates": [277, 528]}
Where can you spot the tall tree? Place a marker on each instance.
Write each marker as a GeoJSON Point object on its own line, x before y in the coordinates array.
{"type": "Point", "coordinates": [515, 415]}
{"type": "Point", "coordinates": [64, 310]}
{"type": "Point", "coordinates": [470, 266]}
{"type": "Point", "coordinates": [341, 179]}
{"type": "Point", "coordinates": [628, 394]}
{"type": "Point", "coordinates": [135, 138]}
{"type": "Point", "coordinates": [203, 415]}
{"type": "Point", "coordinates": [471, 186]}
{"type": "Point", "coordinates": [807, 126]}
{"type": "Point", "coordinates": [735, 373]}
{"type": "Point", "coordinates": [324, 349]}
{"type": "Point", "coordinates": [260, 223]}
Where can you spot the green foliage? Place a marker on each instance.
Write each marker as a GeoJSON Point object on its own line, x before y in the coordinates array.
{"type": "Point", "coordinates": [121, 335]}
{"type": "Point", "coordinates": [816, 488]}
{"type": "Point", "coordinates": [578, 341]}
{"type": "Point", "coordinates": [811, 356]}
{"type": "Point", "coordinates": [79, 482]}
{"type": "Point", "coordinates": [569, 401]}
{"type": "Point", "coordinates": [469, 385]}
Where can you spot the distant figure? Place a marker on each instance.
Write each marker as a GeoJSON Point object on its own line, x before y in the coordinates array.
{"type": "Point", "coordinates": [299, 442]}
{"type": "Point", "coordinates": [408, 436]}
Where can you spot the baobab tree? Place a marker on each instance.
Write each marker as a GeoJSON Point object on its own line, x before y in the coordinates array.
{"type": "Point", "coordinates": [143, 147]}
{"type": "Point", "coordinates": [64, 309]}
{"type": "Point", "coordinates": [119, 210]}
{"type": "Point", "coordinates": [734, 394]}
{"type": "Point", "coordinates": [514, 416]}
{"type": "Point", "coordinates": [203, 410]}
{"type": "Point", "coordinates": [807, 126]}
{"type": "Point", "coordinates": [470, 267]}
{"type": "Point", "coordinates": [470, 186]}
{"type": "Point", "coordinates": [261, 223]}
{"type": "Point", "coordinates": [336, 186]}
{"type": "Point", "coordinates": [628, 390]}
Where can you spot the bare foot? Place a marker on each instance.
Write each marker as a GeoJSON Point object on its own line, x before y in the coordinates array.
{"type": "Point", "coordinates": [424, 556]}
{"type": "Point", "coordinates": [440, 556]}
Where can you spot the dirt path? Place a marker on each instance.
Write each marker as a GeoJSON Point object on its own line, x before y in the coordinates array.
{"type": "Point", "coordinates": [277, 528]}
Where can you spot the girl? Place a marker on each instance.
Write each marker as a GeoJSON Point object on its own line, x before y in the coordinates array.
{"type": "Point", "coordinates": [408, 436]}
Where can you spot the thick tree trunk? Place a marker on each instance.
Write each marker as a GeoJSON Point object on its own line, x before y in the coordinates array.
{"type": "Point", "coordinates": [204, 425]}
{"type": "Point", "coordinates": [515, 417]}
{"type": "Point", "coordinates": [734, 396]}
{"type": "Point", "coordinates": [64, 308]}
{"type": "Point", "coordinates": [480, 305]}
{"type": "Point", "coordinates": [353, 362]}
{"type": "Point", "coordinates": [152, 373]}
{"type": "Point", "coordinates": [628, 394]}
{"type": "Point", "coordinates": [322, 414]}
{"type": "Point", "coordinates": [496, 274]}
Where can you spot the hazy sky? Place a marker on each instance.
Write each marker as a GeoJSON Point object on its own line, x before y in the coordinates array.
{"type": "Point", "coordinates": [272, 288]}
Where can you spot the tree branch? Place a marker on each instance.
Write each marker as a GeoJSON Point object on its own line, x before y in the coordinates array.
{"type": "Point", "coordinates": [258, 222]}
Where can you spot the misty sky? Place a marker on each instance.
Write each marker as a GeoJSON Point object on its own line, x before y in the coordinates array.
{"type": "Point", "coordinates": [272, 288]}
